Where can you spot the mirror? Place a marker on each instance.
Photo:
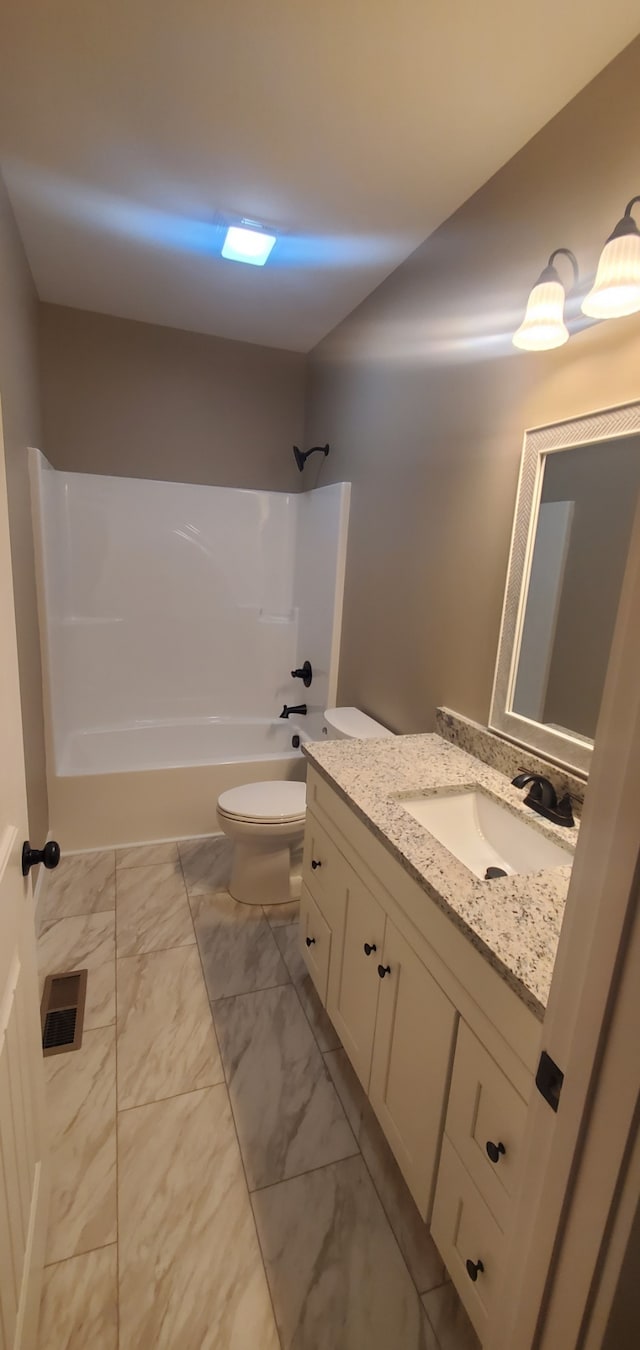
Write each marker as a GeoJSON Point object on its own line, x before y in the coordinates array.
{"type": "Point", "coordinates": [579, 486]}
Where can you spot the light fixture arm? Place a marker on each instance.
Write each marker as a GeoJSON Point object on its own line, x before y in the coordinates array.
{"type": "Point", "coordinates": [566, 253]}
{"type": "Point", "coordinates": [627, 224]}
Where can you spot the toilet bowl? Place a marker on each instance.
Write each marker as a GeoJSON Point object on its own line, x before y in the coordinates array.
{"type": "Point", "coordinates": [265, 821]}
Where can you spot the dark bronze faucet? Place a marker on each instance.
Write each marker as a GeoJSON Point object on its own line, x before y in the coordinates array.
{"type": "Point", "coordinates": [300, 708]}
{"type": "Point", "coordinates": [542, 798]}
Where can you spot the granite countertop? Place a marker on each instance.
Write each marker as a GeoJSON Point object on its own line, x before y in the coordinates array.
{"type": "Point", "coordinates": [513, 921]}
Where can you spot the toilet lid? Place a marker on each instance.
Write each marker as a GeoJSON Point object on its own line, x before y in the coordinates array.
{"type": "Point", "coordinates": [279, 801]}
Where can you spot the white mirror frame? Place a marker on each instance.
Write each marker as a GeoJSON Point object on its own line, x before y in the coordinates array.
{"type": "Point", "coordinates": [573, 752]}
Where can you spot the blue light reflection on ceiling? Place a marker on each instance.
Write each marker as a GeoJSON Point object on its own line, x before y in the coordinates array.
{"type": "Point", "coordinates": [83, 204]}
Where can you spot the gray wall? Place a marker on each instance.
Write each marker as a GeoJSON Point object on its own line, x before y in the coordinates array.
{"type": "Point", "coordinates": [21, 423]}
{"type": "Point", "coordinates": [425, 402]}
{"type": "Point", "coordinates": [120, 397]}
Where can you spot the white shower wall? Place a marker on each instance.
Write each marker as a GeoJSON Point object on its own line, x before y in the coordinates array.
{"type": "Point", "coordinates": [164, 602]}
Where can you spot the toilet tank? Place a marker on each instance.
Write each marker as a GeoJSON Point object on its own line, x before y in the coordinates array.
{"type": "Point", "coordinates": [342, 724]}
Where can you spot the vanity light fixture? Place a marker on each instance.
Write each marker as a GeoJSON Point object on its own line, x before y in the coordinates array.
{"type": "Point", "coordinates": [248, 243]}
{"type": "Point", "coordinates": [616, 289]}
{"type": "Point", "coordinates": [543, 325]}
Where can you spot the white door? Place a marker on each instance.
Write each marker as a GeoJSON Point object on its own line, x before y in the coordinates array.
{"type": "Point", "coordinates": [23, 1192]}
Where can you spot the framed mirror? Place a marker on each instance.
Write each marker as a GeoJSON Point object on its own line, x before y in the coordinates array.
{"type": "Point", "coordinates": [577, 495]}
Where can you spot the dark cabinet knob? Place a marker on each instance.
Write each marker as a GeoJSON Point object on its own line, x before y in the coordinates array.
{"type": "Point", "coordinates": [369, 947]}
{"type": "Point", "coordinates": [315, 863]}
{"type": "Point", "coordinates": [474, 1268]}
{"type": "Point", "coordinates": [49, 855]}
{"type": "Point", "coordinates": [384, 970]}
{"type": "Point", "coordinates": [495, 1151]}
{"type": "Point", "coordinates": [310, 942]}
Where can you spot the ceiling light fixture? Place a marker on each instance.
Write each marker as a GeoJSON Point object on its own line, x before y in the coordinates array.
{"type": "Point", "coordinates": [248, 243]}
{"type": "Point", "coordinates": [616, 289]}
{"type": "Point", "coordinates": [543, 326]}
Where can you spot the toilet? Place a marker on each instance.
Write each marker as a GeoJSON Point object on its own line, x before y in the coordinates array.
{"type": "Point", "coordinates": [265, 821]}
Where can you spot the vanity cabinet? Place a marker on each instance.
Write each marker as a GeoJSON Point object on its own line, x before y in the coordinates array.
{"type": "Point", "coordinates": [445, 1050]}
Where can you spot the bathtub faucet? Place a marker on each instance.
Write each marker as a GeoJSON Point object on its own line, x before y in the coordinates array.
{"type": "Point", "coordinates": [299, 708]}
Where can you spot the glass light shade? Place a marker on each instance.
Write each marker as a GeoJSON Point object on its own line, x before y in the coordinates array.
{"type": "Point", "coordinates": [616, 289]}
{"type": "Point", "coordinates": [543, 326]}
{"type": "Point", "coordinates": [247, 245]}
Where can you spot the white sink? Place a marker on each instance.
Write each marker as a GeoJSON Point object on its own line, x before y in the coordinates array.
{"type": "Point", "coordinates": [482, 833]}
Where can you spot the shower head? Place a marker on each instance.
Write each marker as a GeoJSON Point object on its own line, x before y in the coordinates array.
{"type": "Point", "coordinates": [301, 456]}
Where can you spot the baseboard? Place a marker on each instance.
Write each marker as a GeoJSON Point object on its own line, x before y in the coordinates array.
{"type": "Point", "coordinates": [143, 843]}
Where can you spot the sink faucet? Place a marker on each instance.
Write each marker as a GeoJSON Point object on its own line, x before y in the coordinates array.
{"type": "Point", "coordinates": [300, 708]}
{"type": "Point", "coordinates": [542, 798]}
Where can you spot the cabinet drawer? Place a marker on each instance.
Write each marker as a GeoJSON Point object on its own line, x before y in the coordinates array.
{"type": "Point", "coordinates": [315, 942]}
{"type": "Point", "coordinates": [465, 1230]}
{"type": "Point", "coordinates": [485, 1109]}
{"type": "Point", "coordinates": [322, 866]}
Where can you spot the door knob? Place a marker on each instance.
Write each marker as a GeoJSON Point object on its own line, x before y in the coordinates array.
{"type": "Point", "coordinates": [49, 855]}
{"type": "Point", "coordinates": [315, 864]}
{"type": "Point", "coordinates": [495, 1151]}
{"type": "Point", "coordinates": [384, 970]}
{"type": "Point", "coordinates": [310, 942]}
{"type": "Point", "coordinates": [369, 947]}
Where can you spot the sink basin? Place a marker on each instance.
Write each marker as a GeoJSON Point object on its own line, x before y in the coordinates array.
{"type": "Point", "coordinates": [482, 833]}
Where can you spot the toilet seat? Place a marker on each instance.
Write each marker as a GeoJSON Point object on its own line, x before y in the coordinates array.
{"type": "Point", "coordinates": [277, 802]}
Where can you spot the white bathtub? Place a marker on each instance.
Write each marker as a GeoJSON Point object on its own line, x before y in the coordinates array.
{"type": "Point", "coordinates": [152, 781]}
{"type": "Point", "coordinates": [178, 744]}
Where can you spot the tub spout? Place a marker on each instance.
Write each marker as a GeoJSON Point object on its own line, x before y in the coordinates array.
{"type": "Point", "coordinates": [300, 708]}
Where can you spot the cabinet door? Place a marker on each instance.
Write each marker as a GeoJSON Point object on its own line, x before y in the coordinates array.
{"type": "Point", "coordinates": [315, 942]}
{"type": "Point", "coordinates": [323, 871]}
{"type": "Point", "coordinates": [411, 1067]}
{"type": "Point", "coordinates": [353, 972]}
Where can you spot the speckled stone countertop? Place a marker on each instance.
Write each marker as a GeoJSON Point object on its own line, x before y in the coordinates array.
{"type": "Point", "coordinates": [513, 921]}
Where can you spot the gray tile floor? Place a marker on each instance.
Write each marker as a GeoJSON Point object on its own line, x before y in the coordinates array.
{"type": "Point", "coordinates": [243, 1193]}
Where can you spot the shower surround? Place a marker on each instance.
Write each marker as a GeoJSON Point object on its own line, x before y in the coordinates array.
{"type": "Point", "coordinates": [171, 617]}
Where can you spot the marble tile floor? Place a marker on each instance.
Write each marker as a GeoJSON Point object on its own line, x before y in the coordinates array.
{"type": "Point", "coordinates": [219, 1181]}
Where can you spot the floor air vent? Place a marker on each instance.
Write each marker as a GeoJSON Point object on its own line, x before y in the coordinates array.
{"type": "Point", "coordinates": [62, 1011]}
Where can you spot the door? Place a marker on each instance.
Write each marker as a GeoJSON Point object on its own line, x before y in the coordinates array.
{"type": "Point", "coordinates": [575, 1159]}
{"type": "Point", "coordinates": [23, 1192]}
{"type": "Point", "coordinates": [353, 972]}
{"type": "Point", "coordinates": [412, 1057]}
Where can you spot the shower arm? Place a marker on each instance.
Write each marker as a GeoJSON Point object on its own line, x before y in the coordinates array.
{"type": "Point", "coordinates": [301, 456]}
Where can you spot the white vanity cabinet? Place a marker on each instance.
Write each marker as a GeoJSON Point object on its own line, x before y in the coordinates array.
{"type": "Point", "coordinates": [442, 1045]}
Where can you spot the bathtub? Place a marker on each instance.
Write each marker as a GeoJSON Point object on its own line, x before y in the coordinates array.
{"type": "Point", "coordinates": [177, 744]}
{"type": "Point", "coordinates": [160, 780]}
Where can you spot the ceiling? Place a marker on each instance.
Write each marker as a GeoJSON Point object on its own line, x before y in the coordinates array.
{"type": "Point", "coordinates": [133, 131]}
